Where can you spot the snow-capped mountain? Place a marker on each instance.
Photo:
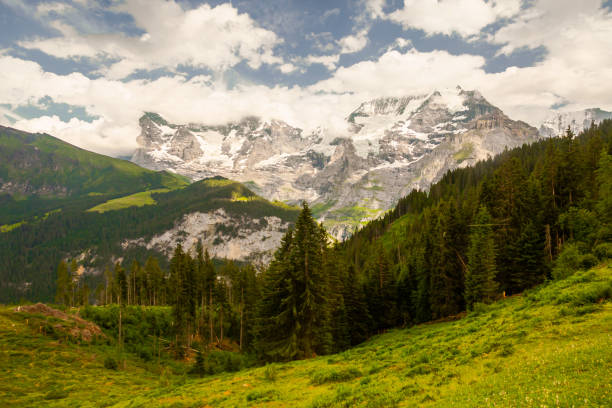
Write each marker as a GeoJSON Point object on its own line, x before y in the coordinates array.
{"type": "Point", "coordinates": [577, 121]}
{"type": "Point", "coordinates": [391, 146]}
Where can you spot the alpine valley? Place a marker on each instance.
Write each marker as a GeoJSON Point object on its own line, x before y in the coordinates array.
{"type": "Point", "coordinates": [235, 187]}
{"type": "Point", "coordinates": [391, 146]}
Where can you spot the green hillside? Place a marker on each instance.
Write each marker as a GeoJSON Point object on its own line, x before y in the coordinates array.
{"type": "Point", "coordinates": [40, 172]}
{"type": "Point", "coordinates": [549, 346]}
{"type": "Point", "coordinates": [42, 160]}
{"type": "Point", "coordinates": [31, 251]}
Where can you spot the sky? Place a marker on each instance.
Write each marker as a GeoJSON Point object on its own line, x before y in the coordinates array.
{"type": "Point", "coordinates": [86, 70]}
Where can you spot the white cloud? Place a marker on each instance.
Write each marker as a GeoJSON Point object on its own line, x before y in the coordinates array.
{"type": "Point", "coordinates": [329, 61]}
{"type": "Point", "coordinates": [119, 104]}
{"type": "Point", "coordinates": [396, 73]}
{"type": "Point", "coordinates": [287, 68]}
{"type": "Point", "coordinates": [577, 68]}
{"type": "Point", "coordinates": [44, 9]}
{"type": "Point", "coordinates": [329, 13]}
{"type": "Point", "coordinates": [464, 17]}
{"type": "Point", "coordinates": [353, 43]}
{"type": "Point", "coordinates": [205, 37]}
{"type": "Point", "coordinates": [375, 8]}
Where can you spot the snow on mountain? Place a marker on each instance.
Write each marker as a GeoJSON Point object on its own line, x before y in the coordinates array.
{"type": "Point", "coordinates": [391, 146]}
{"type": "Point", "coordinates": [577, 121]}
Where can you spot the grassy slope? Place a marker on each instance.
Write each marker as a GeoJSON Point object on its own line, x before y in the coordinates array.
{"type": "Point", "coordinates": [66, 174]}
{"type": "Point", "coordinates": [548, 347]}
{"type": "Point", "coordinates": [52, 162]}
{"type": "Point", "coordinates": [132, 200]}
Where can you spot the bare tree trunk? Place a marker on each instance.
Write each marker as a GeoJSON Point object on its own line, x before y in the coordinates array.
{"type": "Point", "coordinates": [221, 324]}
{"type": "Point", "coordinates": [201, 322]}
{"type": "Point", "coordinates": [210, 319]}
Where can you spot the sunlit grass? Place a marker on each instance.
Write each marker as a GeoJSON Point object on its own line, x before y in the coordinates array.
{"type": "Point", "coordinates": [551, 346]}
{"type": "Point", "coordinates": [133, 200]}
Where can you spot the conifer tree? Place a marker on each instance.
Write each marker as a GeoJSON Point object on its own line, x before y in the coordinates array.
{"type": "Point", "coordinates": [74, 281]}
{"type": "Point", "coordinates": [122, 290]}
{"type": "Point", "coordinates": [294, 315]}
{"type": "Point", "coordinates": [210, 275]}
{"type": "Point", "coordinates": [155, 277]}
{"type": "Point", "coordinates": [272, 324]}
{"type": "Point", "coordinates": [358, 318]}
{"type": "Point", "coordinates": [480, 284]}
{"type": "Point", "coordinates": [63, 293]}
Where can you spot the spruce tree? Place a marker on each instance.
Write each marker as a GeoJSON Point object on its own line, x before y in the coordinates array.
{"type": "Point", "coordinates": [294, 315]}
{"type": "Point", "coordinates": [272, 324]}
{"type": "Point", "coordinates": [480, 284]}
{"type": "Point", "coordinates": [64, 290]}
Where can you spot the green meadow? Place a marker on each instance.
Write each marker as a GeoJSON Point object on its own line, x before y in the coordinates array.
{"type": "Point", "coordinates": [549, 347]}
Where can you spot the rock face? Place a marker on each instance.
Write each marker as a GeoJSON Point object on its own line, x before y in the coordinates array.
{"type": "Point", "coordinates": [391, 146]}
{"type": "Point", "coordinates": [240, 238]}
{"type": "Point", "coordinates": [577, 121]}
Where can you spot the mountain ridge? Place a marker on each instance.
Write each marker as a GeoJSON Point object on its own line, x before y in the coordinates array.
{"type": "Point", "coordinates": [391, 146]}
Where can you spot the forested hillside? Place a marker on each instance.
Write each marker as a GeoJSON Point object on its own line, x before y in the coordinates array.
{"type": "Point", "coordinates": [40, 173]}
{"type": "Point", "coordinates": [30, 252]}
{"type": "Point", "coordinates": [482, 233]}
{"type": "Point", "coordinates": [530, 214]}
{"type": "Point", "coordinates": [535, 213]}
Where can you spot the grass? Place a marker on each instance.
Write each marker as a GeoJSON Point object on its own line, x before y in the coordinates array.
{"type": "Point", "coordinates": [320, 208]}
{"type": "Point", "coordinates": [133, 200]}
{"type": "Point", "coordinates": [10, 227]}
{"type": "Point", "coordinates": [548, 347]}
{"type": "Point", "coordinates": [464, 153]}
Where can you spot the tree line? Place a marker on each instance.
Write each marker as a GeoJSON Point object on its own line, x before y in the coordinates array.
{"type": "Point", "coordinates": [533, 213]}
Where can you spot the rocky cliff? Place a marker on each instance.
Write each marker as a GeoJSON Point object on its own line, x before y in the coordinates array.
{"type": "Point", "coordinates": [390, 146]}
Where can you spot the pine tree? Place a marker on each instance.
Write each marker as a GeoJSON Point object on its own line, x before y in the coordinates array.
{"type": "Point", "coordinates": [310, 286]}
{"type": "Point", "coordinates": [480, 284]}
{"type": "Point", "coordinates": [210, 275]}
{"type": "Point", "coordinates": [447, 267]}
{"type": "Point", "coordinates": [63, 293]}
{"type": "Point", "coordinates": [74, 281]}
{"type": "Point", "coordinates": [359, 320]}
{"type": "Point", "coordinates": [294, 315]}
{"type": "Point", "coordinates": [122, 290]}
{"type": "Point", "coordinates": [180, 264]}
{"type": "Point", "coordinates": [155, 276]}
{"type": "Point", "coordinates": [272, 326]}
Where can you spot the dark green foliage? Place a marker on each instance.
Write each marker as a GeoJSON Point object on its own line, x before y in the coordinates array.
{"type": "Point", "coordinates": [110, 363]}
{"type": "Point", "coordinates": [64, 285]}
{"type": "Point", "coordinates": [32, 252]}
{"type": "Point", "coordinates": [294, 313]}
{"type": "Point", "coordinates": [215, 362]}
{"type": "Point", "coordinates": [480, 284]}
{"type": "Point", "coordinates": [549, 207]}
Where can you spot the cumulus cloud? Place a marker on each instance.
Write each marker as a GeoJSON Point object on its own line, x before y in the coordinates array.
{"type": "Point", "coordinates": [287, 68]}
{"type": "Point", "coordinates": [328, 61]}
{"type": "Point", "coordinates": [577, 68]}
{"type": "Point", "coordinates": [353, 43]}
{"type": "Point", "coordinates": [119, 104]}
{"type": "Point", "coordinates": [214, 38]}
{"type": "Point", "coordinates": [464, 17]}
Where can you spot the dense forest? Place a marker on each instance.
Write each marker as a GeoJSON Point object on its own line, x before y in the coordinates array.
{"type": "Point", "coordinates": [534, 213]}
{"type": "Point", "coordinates": [31, 252]}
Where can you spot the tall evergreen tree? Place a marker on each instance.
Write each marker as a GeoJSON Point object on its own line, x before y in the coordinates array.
{"type": "Point", "coordinates": [480, 284]}
{"type": "Point", "coordinates": [294, 315]}
{"type": "Point", "coordinates": [64, 285]}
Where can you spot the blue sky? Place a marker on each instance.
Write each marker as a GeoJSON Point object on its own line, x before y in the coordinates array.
{"type": "Point", "coordinates": [85, 70]}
